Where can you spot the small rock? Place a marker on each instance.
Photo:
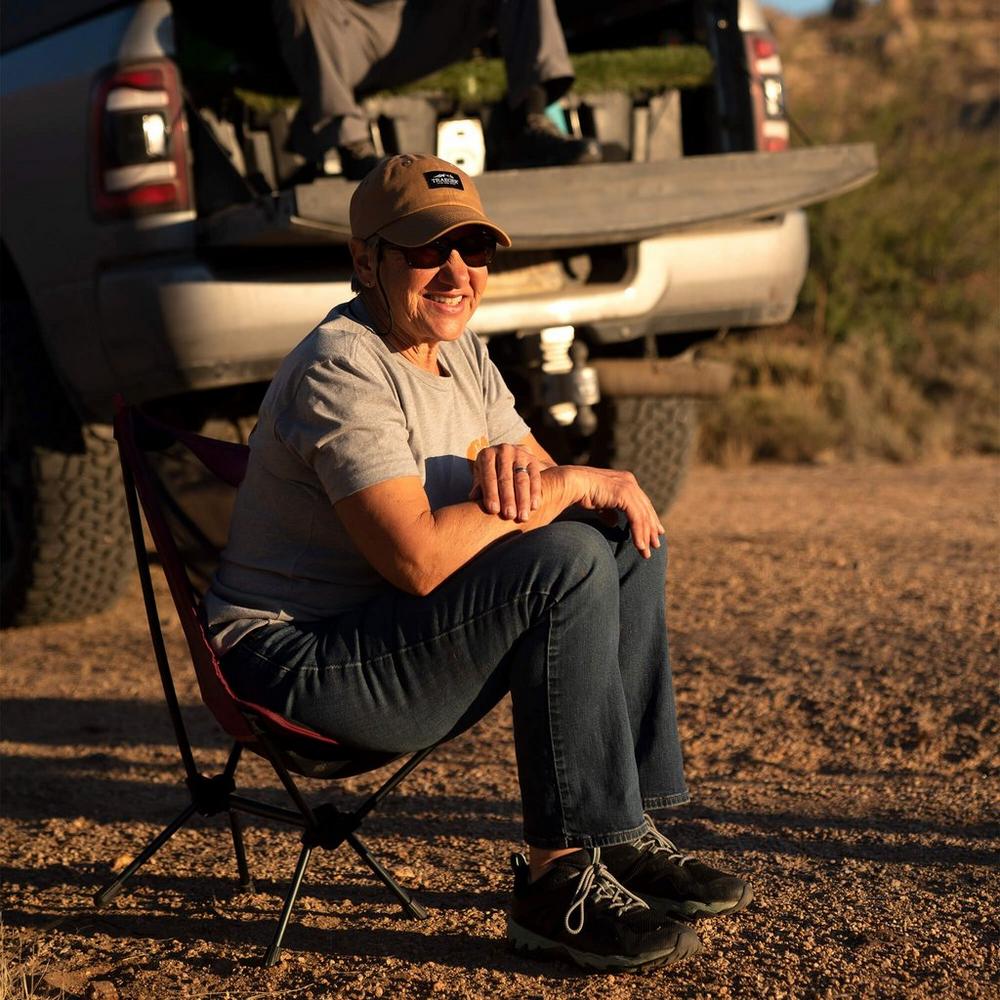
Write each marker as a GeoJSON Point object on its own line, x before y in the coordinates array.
{"type": "Point", "coordinates": [102, 989]}
{"type": "Point", "coordinates": [121, 863]}
{"type": "Point", "coordinates": [67, 982]}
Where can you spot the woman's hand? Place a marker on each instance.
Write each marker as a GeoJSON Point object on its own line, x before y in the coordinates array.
{"type": "Point", "coordinates": [611, 490]}
{"type": "Point", "coordinates": [506, 480]}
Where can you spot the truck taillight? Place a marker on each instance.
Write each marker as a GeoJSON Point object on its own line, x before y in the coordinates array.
{"type": "Point", "coordinates": [767, 92]}
{"type": "Point", "coordinates": [764, 47]}
{"type": "Point", "coordinates": [139, 142]}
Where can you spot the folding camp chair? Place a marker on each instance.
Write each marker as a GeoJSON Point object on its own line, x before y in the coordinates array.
{"type": "Point", "coordinates": [289, 747]}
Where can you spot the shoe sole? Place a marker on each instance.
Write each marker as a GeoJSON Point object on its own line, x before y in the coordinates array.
{"type": "Point", "coordinates": [696, 908]}
{"type": "Point", "coordinates": [531, 945]}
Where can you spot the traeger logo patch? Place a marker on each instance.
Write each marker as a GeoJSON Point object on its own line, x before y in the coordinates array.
{"type": "Point", "coordinates": [443, 179]}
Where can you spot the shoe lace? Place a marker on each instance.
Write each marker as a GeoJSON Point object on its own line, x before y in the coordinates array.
{"type": "Point", "coordinates": [654, 842]}
{"type": "Point", "coordinates": [597, 883]}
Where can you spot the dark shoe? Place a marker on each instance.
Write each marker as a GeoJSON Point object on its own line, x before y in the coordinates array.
{"type": "Point", "coordinates": [357, 159]}
{"type": "Point", "coordinates": [672, 882]}
{"type": "Point", "coordinates": [540, 143]}
{"type": "Point", "coordinates": [578, 912]}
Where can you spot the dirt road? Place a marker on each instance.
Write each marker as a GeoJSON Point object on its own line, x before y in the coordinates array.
{"type": "Point", "coordinates": [835, 648]}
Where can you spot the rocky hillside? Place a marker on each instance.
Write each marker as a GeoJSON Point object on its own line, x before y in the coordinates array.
{"type": "Point", "coordinates": [894, 351]}
{"type": "Point", "coordinates": [867, 59]}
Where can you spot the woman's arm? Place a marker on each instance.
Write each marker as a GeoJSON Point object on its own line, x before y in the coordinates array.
{"type": "Point", "coordinates": [537, 450]}
{"type": "Point", "coordinates": [500, 489]}
{"type": "Point", "coordinates": [416, 548]}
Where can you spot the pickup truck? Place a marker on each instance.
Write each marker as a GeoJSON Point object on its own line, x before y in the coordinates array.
{"type": "Point", "coordinates": [155, 242]}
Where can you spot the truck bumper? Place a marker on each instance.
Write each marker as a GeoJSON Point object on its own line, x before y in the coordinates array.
{"type": "Point", "coordinates": [747, 275]}
{"type": "Point", "coordinates": [202, 329]}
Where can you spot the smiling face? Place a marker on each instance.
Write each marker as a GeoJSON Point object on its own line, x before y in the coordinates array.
{"type": "Point", "coordinates": [427, 306]}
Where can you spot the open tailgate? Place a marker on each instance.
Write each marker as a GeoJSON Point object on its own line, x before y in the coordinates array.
{"type": "Point", "coordinates": [590, 205]}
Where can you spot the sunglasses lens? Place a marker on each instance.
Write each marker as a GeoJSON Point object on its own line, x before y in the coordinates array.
{"type": "Point", "coordinates": [477, 250]}
{"type": "Point", "coordinates": [431, 255]}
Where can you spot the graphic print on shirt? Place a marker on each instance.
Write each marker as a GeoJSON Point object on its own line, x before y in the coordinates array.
{"type": "Point", "coordinates": [476, 445]}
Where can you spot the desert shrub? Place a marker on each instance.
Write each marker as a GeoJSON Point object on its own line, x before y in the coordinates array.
{"type": "Point", "coordinates": [907, 245]}
{"type": "Point", "coordinates": [798, 398]}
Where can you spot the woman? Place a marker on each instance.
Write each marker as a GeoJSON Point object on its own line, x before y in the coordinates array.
{"type": "Point", "coordinates": [403, 553]}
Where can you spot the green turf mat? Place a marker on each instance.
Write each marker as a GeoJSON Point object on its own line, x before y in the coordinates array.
{"type": "Point", "coordinates": [635, 71]}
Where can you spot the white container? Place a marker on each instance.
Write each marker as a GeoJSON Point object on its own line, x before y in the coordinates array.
{"type": "Point", "coordinates": [460, 141]}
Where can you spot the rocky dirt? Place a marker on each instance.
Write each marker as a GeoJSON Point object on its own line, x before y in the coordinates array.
{"type": "Point", "coordinates": [835, 647]}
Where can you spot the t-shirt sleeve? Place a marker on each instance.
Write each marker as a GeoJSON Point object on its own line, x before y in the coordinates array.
{"type": "Point", "coordinates": [345, 422]}
{"type": "Point", "coordinates": [502, 421]}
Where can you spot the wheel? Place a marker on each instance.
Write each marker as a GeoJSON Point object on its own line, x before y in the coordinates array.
{"type": "Point", "coordinates": [63, 526]}
{"type": "Point", "coordinates": [650, 436]}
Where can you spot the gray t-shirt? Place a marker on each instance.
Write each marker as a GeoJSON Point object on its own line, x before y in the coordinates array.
{"type": "Point", "coordinates": [343, 413]}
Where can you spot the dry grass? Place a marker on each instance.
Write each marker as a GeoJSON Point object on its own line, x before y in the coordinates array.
{"type": "Point", "coordinates": [23, 964]}
{"type": "Point", "coordinates": [799, 399]}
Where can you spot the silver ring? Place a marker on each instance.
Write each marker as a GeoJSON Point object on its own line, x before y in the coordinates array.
{"type": "Point", "coordinates": [520, 468]}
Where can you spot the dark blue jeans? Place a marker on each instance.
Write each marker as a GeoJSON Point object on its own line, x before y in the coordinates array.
{"type": "Point", "coordinates": [568, 618]}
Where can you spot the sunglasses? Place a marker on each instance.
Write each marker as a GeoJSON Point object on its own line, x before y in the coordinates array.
{"type": "Point", "coordinates": [477, 249]}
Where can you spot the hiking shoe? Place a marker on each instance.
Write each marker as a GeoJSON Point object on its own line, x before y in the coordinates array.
{"type": "Point", "coordinates": [357, 159]}
{"type": "Point", "coordinates": [539, 142]}
{"type": "Point", "coordinates": [577, 911]}
{"type": "Point", "coordinates": [671, 882]}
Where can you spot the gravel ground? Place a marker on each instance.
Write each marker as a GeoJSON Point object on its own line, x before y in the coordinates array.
{"type": "Point", "coordinates": [835, 647]}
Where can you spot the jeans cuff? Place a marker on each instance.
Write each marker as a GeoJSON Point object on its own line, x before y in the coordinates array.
{"type": "Point", "coordinates": [652, 803]}
{"type": "Point", "coordinates": [587, 840]}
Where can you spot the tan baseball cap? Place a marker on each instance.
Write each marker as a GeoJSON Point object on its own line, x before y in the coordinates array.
{"type": "Point", "coordinates": [414, 198]}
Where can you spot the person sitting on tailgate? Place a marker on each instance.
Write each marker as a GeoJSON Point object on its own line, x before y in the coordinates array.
{"type": "Point", "coordinates": [335, 49]}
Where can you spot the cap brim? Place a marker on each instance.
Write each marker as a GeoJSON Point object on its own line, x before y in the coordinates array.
{"type": "Point", "coordinates": [432, 223]}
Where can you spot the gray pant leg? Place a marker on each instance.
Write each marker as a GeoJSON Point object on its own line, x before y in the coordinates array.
{"type": "Point", "coordinates": [329, 47]}
{"type": "Point", "coordinates": [534, 49]}
{"type": "Point", "coordinates": [336, 48]}
{"type": "Point", "coordinates": [430, 36]}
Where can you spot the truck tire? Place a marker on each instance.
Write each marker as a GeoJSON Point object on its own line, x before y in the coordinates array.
{"type": "Point", "coordinates": [651, 436]}
{"type": "Point", "coordinates": [64, 530]}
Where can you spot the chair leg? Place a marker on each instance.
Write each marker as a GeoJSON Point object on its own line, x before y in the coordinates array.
{"type": "Point", "coordinates": [274, 951]}
{"type": "Point", "coordinates": [406, 901]}
{"type": "Point", "coordinates": [236, 825]}
{"type": "Point", "coordinates": [112, 889]}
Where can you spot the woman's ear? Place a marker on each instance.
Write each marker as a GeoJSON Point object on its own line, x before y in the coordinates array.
{"type": "Point", "coordinates": [364, 261]}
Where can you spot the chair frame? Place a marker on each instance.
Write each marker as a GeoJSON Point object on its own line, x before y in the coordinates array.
{"type": "Point", "coordinates": [324, 826]}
